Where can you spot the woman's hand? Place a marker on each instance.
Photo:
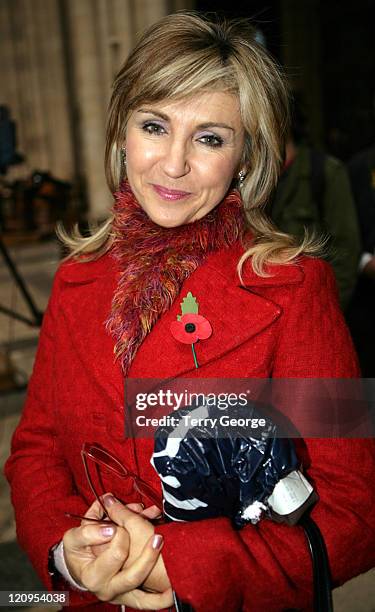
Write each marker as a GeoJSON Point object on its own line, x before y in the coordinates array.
{"type": "Point", "coordinates": [105, 574]}
{"type": "Point", "coordinates": [140, 531]}
{"type": "Point", "coordinates": [151, 513]}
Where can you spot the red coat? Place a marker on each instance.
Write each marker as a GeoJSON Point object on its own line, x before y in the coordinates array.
{"type": "Point", "coordinates": [287, 325]}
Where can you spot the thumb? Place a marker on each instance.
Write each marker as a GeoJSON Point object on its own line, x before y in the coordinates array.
{"type": "Point", "coordinates": [108, 563]}
{"type": "Point", "coordinates": [79, 538]}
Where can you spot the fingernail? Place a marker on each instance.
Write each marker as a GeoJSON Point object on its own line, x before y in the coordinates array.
{"type": "Point", "coordinates": [107, 531]}
{"type": "Point", "coordinates": [109, 500]}
{"type": "Point", "coordinates": [157, 541]}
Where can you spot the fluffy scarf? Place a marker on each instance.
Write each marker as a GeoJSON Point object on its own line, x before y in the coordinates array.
{"type": "Point", "coordinates": [154, 262]}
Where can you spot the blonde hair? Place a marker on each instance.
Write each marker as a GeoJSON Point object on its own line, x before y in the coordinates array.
{"type": "Point", "coordinates": [180, 56]}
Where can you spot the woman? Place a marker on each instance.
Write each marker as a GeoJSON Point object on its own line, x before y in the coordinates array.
{"type": "Point", "coordinates": [195, 141]}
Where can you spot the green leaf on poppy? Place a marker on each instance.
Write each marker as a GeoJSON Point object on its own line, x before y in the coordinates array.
{"type": "Point", "coordinates": [189, 305]}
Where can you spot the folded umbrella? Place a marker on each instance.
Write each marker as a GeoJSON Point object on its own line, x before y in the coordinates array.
{"type": "Point", "coordinates": [208, 469]}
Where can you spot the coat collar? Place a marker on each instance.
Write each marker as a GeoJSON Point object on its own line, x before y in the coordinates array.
{"type": "Point", "coordinates": [224, 262]}
{"type": "Point", "coordinates": [236, 313]}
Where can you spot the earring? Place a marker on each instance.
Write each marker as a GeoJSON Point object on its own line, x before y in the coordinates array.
{"type": "Point", "coordinates": [241, 176]}
{"type": "Point", "coordinates": [123, 157]}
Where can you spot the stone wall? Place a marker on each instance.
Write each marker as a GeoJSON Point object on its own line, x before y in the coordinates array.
{"type": "Point", "coordinates": [59, 58]}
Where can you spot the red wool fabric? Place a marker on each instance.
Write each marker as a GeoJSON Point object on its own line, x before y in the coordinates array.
{"type": "Point", "coordinates": [286, 325]}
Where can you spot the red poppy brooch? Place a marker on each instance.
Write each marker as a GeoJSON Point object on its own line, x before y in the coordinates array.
{"type": "Point", "coordinates": [190, 326]}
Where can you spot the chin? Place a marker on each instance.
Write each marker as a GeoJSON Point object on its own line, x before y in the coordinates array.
{"type": "Point", "coordinates": [169, 223]}
{"type": "Point", "coordinates": [165, 221]}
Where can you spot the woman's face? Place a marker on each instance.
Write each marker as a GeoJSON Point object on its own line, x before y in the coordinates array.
{"type": "Point", "coordinates": [183, 155]}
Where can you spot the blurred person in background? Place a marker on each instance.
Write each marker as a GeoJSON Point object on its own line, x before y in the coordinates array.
{"type": "Point", "coordinates": [362, 308]}
{"type": "Point", "coordinates": [314, 193]}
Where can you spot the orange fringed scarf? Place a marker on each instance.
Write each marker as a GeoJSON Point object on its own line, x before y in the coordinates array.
{"type": "Point", "coordinates": [154, 262]}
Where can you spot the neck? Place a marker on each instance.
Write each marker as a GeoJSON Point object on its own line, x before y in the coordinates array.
{"type": "Point", "coordinates": [154, 262]}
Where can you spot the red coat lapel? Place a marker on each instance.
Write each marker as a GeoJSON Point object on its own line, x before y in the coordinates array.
{"type": "Point", "coordinates": [236, 314]}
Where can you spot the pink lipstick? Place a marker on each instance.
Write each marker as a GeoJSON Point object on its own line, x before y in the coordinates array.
{"type": "Point", "coordinates": [170, 194]}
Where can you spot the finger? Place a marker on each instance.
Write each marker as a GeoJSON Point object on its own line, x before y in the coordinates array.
{"type": "Point", "coordinates": [117, 512]}
{"type": "Point", "coordinates": [88, 535]}
{"type": "Point", "coordinates": [134, 575]}
{"type": "Point", "coordinates": [140, 600]}
{"type": "Point", "coordinates": [138, 508]}
{"type": "Point", "coordinates": [152, 512]}
{"type": "Point", "coordinates": [97, 575]}
{"type": "Point", "coordinates": [98, 549]}
{"type": "Point", "coordinates": [95, 511]}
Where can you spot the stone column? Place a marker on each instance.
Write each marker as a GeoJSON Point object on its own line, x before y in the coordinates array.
{"type": "Point", "coordinates": [101, 32]}
{"type": "Point", "coordinates": [59, 60]}
{"type": "Point", "coordinates": [116, 24]}
{"type": "Point", "coordinates": [33, 83]}
{"type": "Point", "coordinates": [25, 92]}
{"type": "Point", "coordinates": [147, 12]}
{"type": "Point", "coordinates": [90, 99]}
{"type": "Point", "coordinates": [54, 99]}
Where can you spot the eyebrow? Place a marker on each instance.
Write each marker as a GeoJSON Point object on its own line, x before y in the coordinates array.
{"type": "Point", "coordinates": [201, 126]}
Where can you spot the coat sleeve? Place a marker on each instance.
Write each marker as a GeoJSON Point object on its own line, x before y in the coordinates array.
{"type": "Point", "coordinates": [268, 566]}
{"type": "Point", "coordinates": [42, 489]}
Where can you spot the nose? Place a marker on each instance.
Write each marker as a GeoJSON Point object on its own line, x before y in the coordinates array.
{"type": "Point", "coordinates": [175, 161]}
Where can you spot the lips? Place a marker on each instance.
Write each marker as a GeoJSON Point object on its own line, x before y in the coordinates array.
{"type": "Point", "coordinates": [170, 194]}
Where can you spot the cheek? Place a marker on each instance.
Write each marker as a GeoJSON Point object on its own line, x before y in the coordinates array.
{"type": "Point", "coordinates": [139, 153]}
{"type": "Point", "coordinates": [141, 159]}
{"type": "Point", "coordinates": [217, 172]}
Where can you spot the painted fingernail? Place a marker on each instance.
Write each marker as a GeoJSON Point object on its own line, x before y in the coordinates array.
{"type": "Point", "coordinates": [157, 541]}
{"type": "Point", "coordinates": [107, 531]}
{"type": "Point", "coordinates": [109, 500]}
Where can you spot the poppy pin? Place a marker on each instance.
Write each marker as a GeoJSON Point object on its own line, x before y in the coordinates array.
{"type": "Point", "coordinates": [190, 326]}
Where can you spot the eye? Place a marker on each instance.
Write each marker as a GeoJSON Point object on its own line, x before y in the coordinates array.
{"type": "Point", "coordinates": [211, 140]}
{"type": "Point", "coordinates": [151, 127]}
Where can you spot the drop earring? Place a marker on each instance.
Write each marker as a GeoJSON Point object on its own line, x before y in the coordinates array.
{"type": "Point", "coordinates": [123, 175]}
{"type": "Point", "coordinates": [241, 177]}
{"type": "Point", "coordinates": [123, 158]}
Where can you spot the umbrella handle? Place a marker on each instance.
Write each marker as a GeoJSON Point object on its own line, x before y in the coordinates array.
{"type": "Point", "coordinates": [321, 570]}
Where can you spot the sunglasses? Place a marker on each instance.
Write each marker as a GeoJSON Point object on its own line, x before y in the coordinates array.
{"type": "Point", "coordinates": [97, 462]}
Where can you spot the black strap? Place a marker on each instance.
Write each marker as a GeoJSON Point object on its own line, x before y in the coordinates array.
{"type": "Point", "coordinates": [321, 570]}
{"type": "Point", "coordinates": [181, 606]}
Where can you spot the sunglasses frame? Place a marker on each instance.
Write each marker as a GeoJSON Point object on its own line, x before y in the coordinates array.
{"type": "Point", "coordinates": [95, 453]}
